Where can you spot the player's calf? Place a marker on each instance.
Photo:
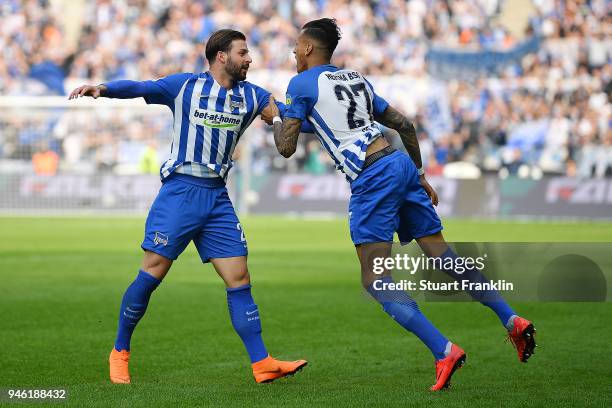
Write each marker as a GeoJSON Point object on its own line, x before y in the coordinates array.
{"type": "Point", "coordinates": [133, 307]}
{"type": "Point", "coordinates": [402, 308]}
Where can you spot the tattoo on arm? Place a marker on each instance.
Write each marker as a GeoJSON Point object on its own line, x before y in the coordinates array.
{"type": "Point", "coordinates": [395, 120]}
{"type": "Point", "coordinates": [286, 136]}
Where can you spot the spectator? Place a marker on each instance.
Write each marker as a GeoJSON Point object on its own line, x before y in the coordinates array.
{"type": "Point", "coordinates": [564, 88]}
{"type": "Point", "coordinates": [45, 162]}
{"type": "Point", "coordinates": [149, 160]}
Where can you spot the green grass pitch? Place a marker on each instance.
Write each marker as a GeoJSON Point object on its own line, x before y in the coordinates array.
{"type": "Point", "coordinates": [61, 282]}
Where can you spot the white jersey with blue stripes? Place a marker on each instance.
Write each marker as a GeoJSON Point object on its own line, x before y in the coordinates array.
{"type": "Point", "coordinates": [208, 120]}
{"type": "Point", "coordinates": [340, 105]}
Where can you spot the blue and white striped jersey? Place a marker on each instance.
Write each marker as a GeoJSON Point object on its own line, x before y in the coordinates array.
{"type": "Point", "coordinates": [340, 105]}
{"type": "Point", "coordinates": [208, 118]}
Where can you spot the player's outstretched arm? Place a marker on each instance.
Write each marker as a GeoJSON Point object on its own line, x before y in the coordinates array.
{"type": "Point", "coordinates": [286, 131]}
{"type": "Point", "coordinates": [120, 89]}
{"type": "Point", "coordinates": [162, 91]}
{"type": "Point", "coordinates": [393, 119]}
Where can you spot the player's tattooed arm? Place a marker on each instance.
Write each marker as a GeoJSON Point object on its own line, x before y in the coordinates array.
{"type": "Point", "coordinates": [286, 131]}
{"type": "Point", "coordinates": [286, 135]}
{"type": "Point", "coordinates": [393, 119]}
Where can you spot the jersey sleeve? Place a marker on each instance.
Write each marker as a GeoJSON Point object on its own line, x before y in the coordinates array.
{"type": "Point", "coordinates": [263, 98]}
{"type": "Point", "coordinates": [301, 97]}
{"type": "Point", "coordinates": [378, 104]}
{"type": "Point", "coordinates": [306, 126]}
{"type": "Point", "coordinates": [162, 91]}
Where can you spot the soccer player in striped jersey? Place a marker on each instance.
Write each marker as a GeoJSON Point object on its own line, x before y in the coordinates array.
{"type": "Point", "coordinates": [389, 190]}
{"type": "Point", "coordinates": [211, 111]}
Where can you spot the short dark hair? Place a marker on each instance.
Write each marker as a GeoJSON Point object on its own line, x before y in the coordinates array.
{"type": "Point", "coordinates": [221, 40]}
{"type": "Point", "coordinates": [325, 31]}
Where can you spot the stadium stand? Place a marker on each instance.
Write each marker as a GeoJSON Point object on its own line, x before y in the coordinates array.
{"type": "Point", "coordinates": [479, 90]}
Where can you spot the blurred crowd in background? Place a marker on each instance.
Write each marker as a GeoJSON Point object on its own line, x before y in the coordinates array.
{"type": "Point", "coordinates": [549, 111]}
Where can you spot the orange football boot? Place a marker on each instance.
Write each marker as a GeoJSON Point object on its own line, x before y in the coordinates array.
{"type": "Point", "coordinates": [118, 361]}
{"type": "Point", "coordinates": [447, 366]}
{"type": "Point", "coordinates": [270, 369]}
{"type": "Point", "coordinates": [522, 337]}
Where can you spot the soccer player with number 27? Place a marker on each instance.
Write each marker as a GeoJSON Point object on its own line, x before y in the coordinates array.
{"type": "Point", "coordinates": [389, 191]}
{"type": "Point", "coordinates": [211, 111]}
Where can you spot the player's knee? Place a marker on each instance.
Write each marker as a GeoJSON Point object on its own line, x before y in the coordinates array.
{"type": "Point", "coordinates": [368, 277]}
{"type": "Point", "coordinates": [242, 278]}
{"type": "Point", "coordinates": [367, 283]}
{"type": "Point", "coordinates": [433, 245]}
{"type": "Point", "coordinates": [156, 265]}
{"type": "Point", "coordinates": [233, 271]}
{"type": "Point", "coordinates": [237, 278]}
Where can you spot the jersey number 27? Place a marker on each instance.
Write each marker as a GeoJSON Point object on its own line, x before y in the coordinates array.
{"type": "Point", "coordinates": [342, 91]}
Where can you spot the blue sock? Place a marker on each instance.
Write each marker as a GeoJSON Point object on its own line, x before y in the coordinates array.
{"type": "Point", "coordinates": [489, 298]}
{"type": "Point", "coordinates": [245, 319]}
{"type": "Point", "coordinates": [404, 310]}
{"type": "Point", "coordinates": [133, 307]}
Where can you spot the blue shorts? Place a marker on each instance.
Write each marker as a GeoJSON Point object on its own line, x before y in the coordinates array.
{"type": "Point", "coordinates": [196, 209]}
{"type": "Point", "coordinates": [387, 197]}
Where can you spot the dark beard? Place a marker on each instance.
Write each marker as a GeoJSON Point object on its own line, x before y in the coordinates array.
{"type": "Point", "coordinates": [235, 71]}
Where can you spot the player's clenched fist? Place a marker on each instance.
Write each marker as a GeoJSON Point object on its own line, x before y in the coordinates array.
{"type": "Point", "coordinates": [94, 91]}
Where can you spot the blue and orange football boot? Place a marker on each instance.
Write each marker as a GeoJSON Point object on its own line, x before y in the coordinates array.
{"type": "Point", "coordinates": [446, 367]}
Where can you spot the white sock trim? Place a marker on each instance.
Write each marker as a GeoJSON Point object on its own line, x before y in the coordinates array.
{"type": "Point", "coordinates": [447, 349]}
{"type": "Point", "coordinates": [510, 322]}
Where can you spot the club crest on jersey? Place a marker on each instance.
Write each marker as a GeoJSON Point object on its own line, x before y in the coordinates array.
{"type": "Point", "coordinates": [216, 120]}
{"type": "Point", "coordinates": [160, 239]}
{"type": "Point", "coordinates": [288, 100]}
{"type": "Point", "coordinates": [236, 102]}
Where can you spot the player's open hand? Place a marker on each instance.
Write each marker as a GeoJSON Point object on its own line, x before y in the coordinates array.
{"type": "Point", "coordinates": [429, 190]}
{"type": "Point", "coordinates": [270, 111]}
{"type": "Point", "coordinates": [95, 91]}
